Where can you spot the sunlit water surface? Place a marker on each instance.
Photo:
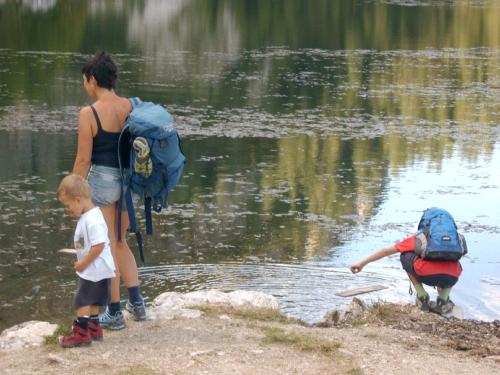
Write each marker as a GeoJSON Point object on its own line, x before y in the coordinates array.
{"type": "Point", "coordinates": [306, 150]}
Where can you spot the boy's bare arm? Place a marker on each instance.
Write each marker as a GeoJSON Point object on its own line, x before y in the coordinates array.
{"type": "Point", "coordinates": [358, 266]}
{"type": "Point", "coordinates": [92, 255]}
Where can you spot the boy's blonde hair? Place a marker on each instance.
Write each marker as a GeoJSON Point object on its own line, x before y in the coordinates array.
{"type": "Point", "coordinates": [73, 186]}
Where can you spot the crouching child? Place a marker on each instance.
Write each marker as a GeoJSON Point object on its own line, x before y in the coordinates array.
{"type": "Point", "coordinates": [429, 257]}
{"type": "Point", "coordinates": [94, 266]}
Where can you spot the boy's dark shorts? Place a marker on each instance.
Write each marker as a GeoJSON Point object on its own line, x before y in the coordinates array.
{"type": "Point", "coordinates": [440, 280]}
{"type": "Point", "coordinates": [90, 293]}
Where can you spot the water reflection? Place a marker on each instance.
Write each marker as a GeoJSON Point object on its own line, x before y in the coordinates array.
{"type": "Point", "coordinates": [228, 25]}
{"type": "Point", "coordinates": [433, 108]}
{"type": "Point", "coordinates": [259, 209]}
{"type": "Point", "coordinates": [313, 133]}
{"type": "Point", "coordinates": [227, 208]}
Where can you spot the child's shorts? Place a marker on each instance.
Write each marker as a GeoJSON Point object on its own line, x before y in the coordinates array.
{"type": "Point", "coordinates": [440, 280]}
{"type": "Point", "coordinates": [92, 293]}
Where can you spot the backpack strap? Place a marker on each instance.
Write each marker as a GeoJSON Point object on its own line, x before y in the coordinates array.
{"type": "Point", "coordinates": [135, 101]}
{"type": "Point", "coordinates": [133, 224]}
{"type": "Point", "coordinates": [122, 173]}
{"type": "Point", "coordinates": [97, 120]}
{"type": "Point", "coordinates": [180, 144]}
{"type": "Point", "coordinates": [160, 200]}
{"type": "Point", "coordinates": [127, 197]}
{"type": "Point", "coordinates": [149, 217]}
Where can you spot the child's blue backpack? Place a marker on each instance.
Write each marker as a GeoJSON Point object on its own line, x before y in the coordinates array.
{"type": "Point", "coordinates": [438, 238]}
{"type": "Point", "coordinates": [151, 162]}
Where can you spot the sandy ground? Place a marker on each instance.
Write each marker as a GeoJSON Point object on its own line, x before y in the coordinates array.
{"type": "Point", "coordinates": [393, 340]}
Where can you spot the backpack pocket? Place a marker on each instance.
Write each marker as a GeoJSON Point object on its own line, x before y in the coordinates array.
{"type": "Point", "coordinates": [463, 244]}
{"type": "Point", "coordinates": [421, 244]}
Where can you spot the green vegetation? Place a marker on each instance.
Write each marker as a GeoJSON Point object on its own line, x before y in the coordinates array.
{"type": "Point", "coordinates": [383, 311]}
{"type": "Point", "coordinates": [136, 370]}
{"type": "Point", "coordinates": [305, 342]}
{"type": "Point", "coordinates": [266, 315]}
{"type": "Point", "coordinates": [355, 371]}
{"type": "Point", "coordinates": [53, 340]}
{"type": "Point", "coordinates": [358, 321]}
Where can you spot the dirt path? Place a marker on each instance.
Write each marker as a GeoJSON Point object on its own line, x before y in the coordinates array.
{"type": "Point", "coordinates": [392, 340]}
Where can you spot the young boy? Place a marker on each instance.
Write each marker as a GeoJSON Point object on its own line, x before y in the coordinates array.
{"type": "Point", "coordinates": [94, 265]}
{"type": "Point", "coordinates": [442, 274]}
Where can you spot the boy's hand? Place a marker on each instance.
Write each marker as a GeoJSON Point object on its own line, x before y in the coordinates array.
{"type": "Point", "coordinates": [356, 267]}
{"type": "Point", "coordinates": [80, 265]}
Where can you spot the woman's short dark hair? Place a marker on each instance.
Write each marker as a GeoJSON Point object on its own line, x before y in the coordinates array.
{"type": "Point", "coordinates": [102, 68]}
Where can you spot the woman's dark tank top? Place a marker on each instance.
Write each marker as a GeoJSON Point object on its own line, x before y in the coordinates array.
{"type": "Point", "coordinates": [104, 145]}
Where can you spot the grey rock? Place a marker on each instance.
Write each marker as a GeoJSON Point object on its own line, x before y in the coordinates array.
{"type": "Point", "coordinates": [27, 334]}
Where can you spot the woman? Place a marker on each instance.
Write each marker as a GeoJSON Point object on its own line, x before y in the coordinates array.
{"type": "Point", "coordinates": [99, 126]}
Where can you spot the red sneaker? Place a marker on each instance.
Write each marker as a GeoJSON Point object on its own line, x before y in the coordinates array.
{"type": "Point", "coordinates": [95, 331]}
{"type": "Point", "coordinates": [79, 337]}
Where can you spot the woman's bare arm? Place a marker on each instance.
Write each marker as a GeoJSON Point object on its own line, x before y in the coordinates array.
{"type": "Point", "coordinates": [85, 138]}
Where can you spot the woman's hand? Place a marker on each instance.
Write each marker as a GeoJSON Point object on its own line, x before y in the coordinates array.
{"type": "Point", "coordinates": [357, 267]}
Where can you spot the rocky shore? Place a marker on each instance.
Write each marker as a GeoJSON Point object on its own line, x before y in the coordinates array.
{"type": "Point", "coordinates": [210, 332]}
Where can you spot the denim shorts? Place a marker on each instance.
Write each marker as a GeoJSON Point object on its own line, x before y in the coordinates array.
{"type": "Point", "coordinates": [105, 184]}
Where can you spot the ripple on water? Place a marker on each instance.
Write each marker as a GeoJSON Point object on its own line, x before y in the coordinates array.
{"type": "Point", "coordinates": [285, 281]}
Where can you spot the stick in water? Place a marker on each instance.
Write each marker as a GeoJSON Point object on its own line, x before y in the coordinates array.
{"type": "Point", "coordinates": [68, 251]}
{"type": "Point", "coordinates": [366, 289]}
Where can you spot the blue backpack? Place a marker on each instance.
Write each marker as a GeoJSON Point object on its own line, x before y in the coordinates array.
{"type": "Point", "coordinates": [438, 238]}
{"type": "Point", "coordinates": [151, 127]}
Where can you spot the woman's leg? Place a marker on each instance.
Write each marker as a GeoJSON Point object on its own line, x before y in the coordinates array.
{"type": "Point", "coordinates": [112, 318]}
{"type": "Point", "coordinates": [130, 276]}
{"type": "Point", "coordinates": [109, 216]}
{"type": "Point", "coordinates": [124, 257]}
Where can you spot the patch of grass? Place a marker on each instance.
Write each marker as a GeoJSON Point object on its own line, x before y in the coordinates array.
{"type": "Point", "coordinates": [53, 340]}
{"type": "Point", "coordinates": [383, 311]}
{"type": "Point", "coordinates": [356, 322]}
{"type": "Point", "coordinates": [266, 315]}
{"type": "Point", "coordinates": [355, 371]}
{"type": "Point", "coordinates": [303, 342]}
{"type": "Point", "coordinates": [136, 370]}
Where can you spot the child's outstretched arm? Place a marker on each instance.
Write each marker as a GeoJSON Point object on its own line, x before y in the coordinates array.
{"type": "Point", "coordinates": [94, 252]}
{"type": "Point", "coordinates": [358, 266]}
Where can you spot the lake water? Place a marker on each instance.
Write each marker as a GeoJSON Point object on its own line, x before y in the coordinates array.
{"type": "Point", "coordinates": [315, 132]}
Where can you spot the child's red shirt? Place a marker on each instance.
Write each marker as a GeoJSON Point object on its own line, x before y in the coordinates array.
{"type": "Point", "coordinates": [425, 267]}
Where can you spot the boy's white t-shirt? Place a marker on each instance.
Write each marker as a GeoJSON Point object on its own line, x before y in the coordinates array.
{"type": "Point", "coordinates": [92, 230]}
